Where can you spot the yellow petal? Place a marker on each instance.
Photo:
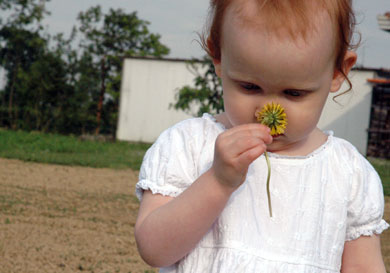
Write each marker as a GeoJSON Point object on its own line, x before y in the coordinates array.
{"type": "Point", "coordinates": [274, 117]}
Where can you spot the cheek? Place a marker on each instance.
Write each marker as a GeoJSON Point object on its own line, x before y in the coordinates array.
{"type": "Point", "coordinates": [239, 109]}
{"type": "Point", "coordinates": [303, 118]}
{"type": "Point", "coordinates": [235, 98]}
{"type": "Point", "coordinates": [308, 111]}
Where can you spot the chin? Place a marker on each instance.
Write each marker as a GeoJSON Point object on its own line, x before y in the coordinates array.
{"type": "Point", "coordinates": [274, 148]}
{"type": "Point", "coordinates": [278, 145]}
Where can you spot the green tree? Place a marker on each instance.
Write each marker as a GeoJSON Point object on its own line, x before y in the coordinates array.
{"type": "Point", "coordinates": [44, 95]}
{"type": "Point", "coordinates": [24, 12]}
{"type": "Point", "coordinates": [206, 95]}
{"type": "Point", "coordinates": [20, 46]}
{"type": "Point", "coordinates": [107, 39]}
{"type": "Point", "coordinates": [82, 76]}
{"type": "Point", "coordinates": [52, 86]}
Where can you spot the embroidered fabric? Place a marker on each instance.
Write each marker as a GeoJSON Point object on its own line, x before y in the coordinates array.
{"type": "Point", "coordinates": [368, 230]}
{"type": "Point", "coordinates": [319, 201]}
{"type": "Point", "coordinates": [232, 260]}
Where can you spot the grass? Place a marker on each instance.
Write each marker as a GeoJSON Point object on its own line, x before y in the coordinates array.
{"type": "Point", "coordinates": [382, 166]}
{"type": "Point", "coordinates": [70, 150]}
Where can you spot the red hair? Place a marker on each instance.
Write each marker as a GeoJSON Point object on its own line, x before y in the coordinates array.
{"type": "Point", "coordinates": [290, 15]}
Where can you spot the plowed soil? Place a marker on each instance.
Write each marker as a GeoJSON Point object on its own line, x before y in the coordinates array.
{"type": "Point", "coordinates": [67, 219]}
{"type": "Point", "coordinates": [75, 219]}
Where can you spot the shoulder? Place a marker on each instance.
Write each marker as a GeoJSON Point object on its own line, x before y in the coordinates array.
{"type": "Point", "coordinates": [171, 164]}
{"type": "Point", "coordinates": [192, 131]}
{"type": "Point", "coordinates": [195, 123]}
{"type": "Point", "coordinates": [364, 181]}
{"type": "Point", "coordinates": [344, 147]}
{"type": "Point", "coordinates": [349, 155]}
{"type": "Point", "coordinates": [184, 140]}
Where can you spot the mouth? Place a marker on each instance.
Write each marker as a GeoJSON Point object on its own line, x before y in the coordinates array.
{"type": "Point", "coordinates": [276, 136]}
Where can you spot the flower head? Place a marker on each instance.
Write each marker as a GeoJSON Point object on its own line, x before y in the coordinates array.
{"type": "Point", "coordinates": [274, 117]}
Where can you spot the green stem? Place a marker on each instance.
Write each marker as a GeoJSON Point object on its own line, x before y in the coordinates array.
{"type": "Point", "coordinates": [268, 179]}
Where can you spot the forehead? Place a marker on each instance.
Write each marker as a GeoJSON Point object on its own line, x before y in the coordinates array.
{"type": "Point", "coordinates": [248, 39]}
{"type": "Point", "coordinates": [286, 18]}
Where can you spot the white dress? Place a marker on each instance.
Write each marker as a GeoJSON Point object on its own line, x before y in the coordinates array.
{"type": "Point", "coordinates": [319, 201]}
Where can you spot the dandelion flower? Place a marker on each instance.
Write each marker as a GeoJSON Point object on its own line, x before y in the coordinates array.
{"type": "Point", "coordinates": [275, 118]}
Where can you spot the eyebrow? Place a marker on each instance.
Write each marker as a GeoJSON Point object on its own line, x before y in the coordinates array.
{"type": "Point", "coordinates": [302, 89]}
{"type": "Point", "coordinates": [244, 79]}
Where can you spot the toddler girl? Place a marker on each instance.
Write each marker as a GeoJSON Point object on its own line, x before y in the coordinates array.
{"type": "Point", "coordinates": [203, 183]}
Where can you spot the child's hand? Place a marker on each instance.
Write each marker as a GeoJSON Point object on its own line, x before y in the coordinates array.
{"type": "Point", "coordinates": [236, 149]}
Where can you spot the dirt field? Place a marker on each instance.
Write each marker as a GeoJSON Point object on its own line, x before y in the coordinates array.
{"type": "Point", "coordinates": [72, 219]}
{"type": "Point", "coordinates": [67, 219]}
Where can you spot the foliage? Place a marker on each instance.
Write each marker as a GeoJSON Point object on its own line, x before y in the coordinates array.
{"type": "Point", "coordinates": [70, 150]}
{"type": "Point", "coordinates": [46, 108]}
{"type": "Point", "coordinates": [106, 40]}
{"type": "Point", "coordinates": [206, 93]}
{"type": "Point", "coordinates": [24, 12]}
{"type": "Point", "coordinates": [52, 86]}
{"type": "Point", "coordinates": [20, 47]}
{"type": "Point", "coordinates": [382, 166]}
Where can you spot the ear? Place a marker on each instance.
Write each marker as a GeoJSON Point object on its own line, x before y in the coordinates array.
{"type": "Point", "coordinates": [338, 77]}
{"type": "Point", "coordinates": [216, 62]}
{"type": "Point", "coordinates": [217, 67]}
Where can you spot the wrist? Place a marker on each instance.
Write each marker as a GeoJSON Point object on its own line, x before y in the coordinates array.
{"type": "Point", "coordinates": [221, 186]}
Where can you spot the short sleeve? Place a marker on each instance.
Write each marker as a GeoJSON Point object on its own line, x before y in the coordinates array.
{"type": "Point", "coordinates": [168, 166]}
{"type": "Point", "coordinates": [366, 202]}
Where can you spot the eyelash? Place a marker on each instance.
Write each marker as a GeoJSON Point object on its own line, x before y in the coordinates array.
{"type": "Point", "coordinates": [293, 93]}
{"type": "Point", "coordinates": [254, 88]}
{"type": "Point", "coordinates": [249, 86]}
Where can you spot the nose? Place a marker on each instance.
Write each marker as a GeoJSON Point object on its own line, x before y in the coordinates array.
{"type": "Point", "coordinates": [273, 115]}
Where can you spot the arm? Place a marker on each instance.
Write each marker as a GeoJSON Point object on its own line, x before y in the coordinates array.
{"type": "Point", "coordinates": [168, 228]}
{"type": "Point", "coordinates": [363, 255]}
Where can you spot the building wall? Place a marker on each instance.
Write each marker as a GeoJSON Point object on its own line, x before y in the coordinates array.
{"type": "Point", "coordinates": [349, 117]}
{"type": "Point", "coordinates": [149, 87]}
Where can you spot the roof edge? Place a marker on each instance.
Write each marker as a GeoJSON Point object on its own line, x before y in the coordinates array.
{"type": "Point", "coordinates": [362, 68]}
{"type": "Point", "coordinates": [164, 59]}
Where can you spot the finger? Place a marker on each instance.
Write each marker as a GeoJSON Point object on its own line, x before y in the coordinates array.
{"type": "Point", "coordinates": [234, 144]}
{"type": "Point", "coordinates": [247, 127]}
{"type": "Point", "coordinates": [246, 158]}
{"type": "Point", "coordinates": [243, 144]}
{"type": "Point", "coordinates": [257, 132]}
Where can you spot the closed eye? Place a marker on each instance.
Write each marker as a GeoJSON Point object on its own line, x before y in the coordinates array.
{"type": "Point", "coordinates": [293, 93]}
{"type": "Point", "coordinates": [249, 86]}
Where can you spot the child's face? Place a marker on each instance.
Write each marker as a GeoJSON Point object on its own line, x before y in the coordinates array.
{"type": "Point", "coordinates": [257, 68]}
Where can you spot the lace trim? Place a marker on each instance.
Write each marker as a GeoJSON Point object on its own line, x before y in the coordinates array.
{"type": "Point", "coordinates": [367, 230]}
{"type": "Point", "coordinates": [316, 152]}
{"type": "Point", "coordinates": [166, 190]}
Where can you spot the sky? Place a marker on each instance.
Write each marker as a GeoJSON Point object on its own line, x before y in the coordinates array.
{"type": "Point", "coordinates": [179, 21]}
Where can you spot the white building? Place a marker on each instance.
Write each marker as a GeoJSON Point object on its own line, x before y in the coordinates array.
{"type": "Point", "coordinates": [149, 87]}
